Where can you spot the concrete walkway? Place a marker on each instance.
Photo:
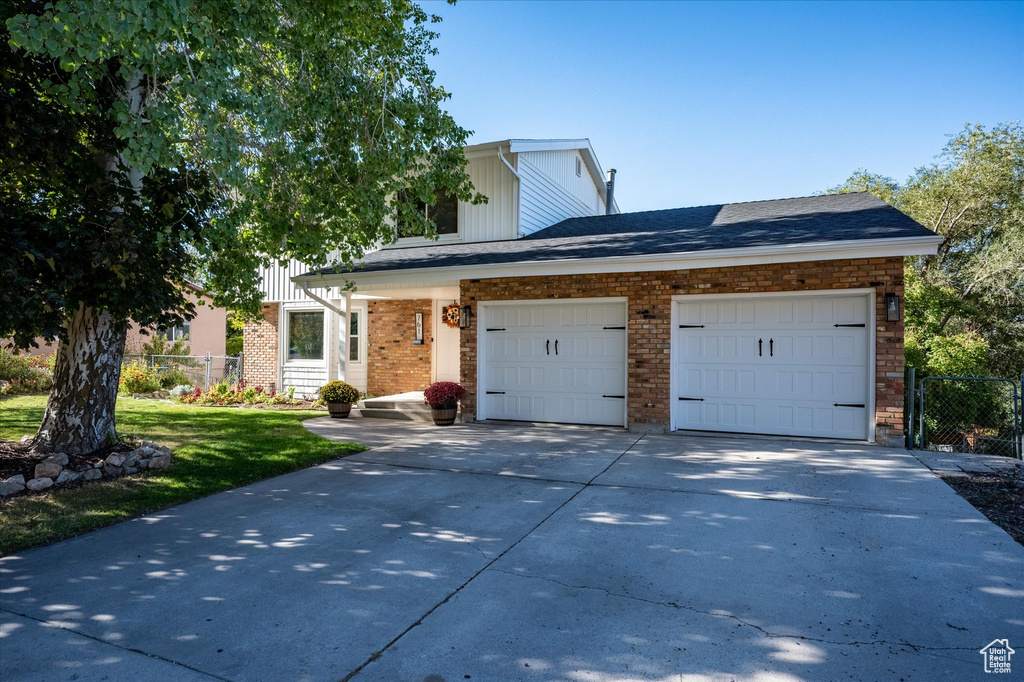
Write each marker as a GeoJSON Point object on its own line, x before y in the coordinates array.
{"type": "Point", "coordinates": [511, 552]}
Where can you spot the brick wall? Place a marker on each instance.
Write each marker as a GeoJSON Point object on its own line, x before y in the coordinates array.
{"type": "Point", "coordinates": [650, 300]}
{"type": "Point", "coordinates": [259, 345]}
{"type": "Point", "coordinates": [394, 364]}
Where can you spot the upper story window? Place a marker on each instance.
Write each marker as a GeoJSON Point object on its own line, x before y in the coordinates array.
{"type": "Point", "coordinates": [306, 335]}
{"type": "Point", "coordinates": [444, 212]}
{"type": "Point", "coordinates": [179, 332]}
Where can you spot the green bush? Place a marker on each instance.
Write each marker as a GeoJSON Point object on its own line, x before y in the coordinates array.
{"type": "Point", "coordinates": [339, 392]}
{"type": "Point", "coordinates": [136, 377]}
{"type": "Point", "coordinates": [23, 374]}
{"type": "Point", "coordinates": [170, 378]}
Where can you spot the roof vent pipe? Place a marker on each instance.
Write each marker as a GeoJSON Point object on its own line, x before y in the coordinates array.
{"type": "Point", "coordinates": [609, 200]}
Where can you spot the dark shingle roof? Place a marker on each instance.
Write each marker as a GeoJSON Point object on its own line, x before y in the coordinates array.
{"type": "Point", "coordinates": [826, 218]}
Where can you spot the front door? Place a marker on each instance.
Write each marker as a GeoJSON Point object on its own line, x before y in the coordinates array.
{"type": "Point", "coordinates": [446, 345]}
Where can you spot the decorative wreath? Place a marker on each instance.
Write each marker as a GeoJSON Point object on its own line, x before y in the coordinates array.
{"type": "Point", "coordinates": [451, 315]}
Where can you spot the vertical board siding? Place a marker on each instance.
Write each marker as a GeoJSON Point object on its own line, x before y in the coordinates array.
{"type": "Point", "coordinates": [550, 191]}
{"type": "Point", "coordinates": [497, 218]}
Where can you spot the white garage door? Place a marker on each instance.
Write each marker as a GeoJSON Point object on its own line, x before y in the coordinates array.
{"type": "Point", "coordinates": [789, 366]}
{"type": "Point", "coordinates": [555, 362]}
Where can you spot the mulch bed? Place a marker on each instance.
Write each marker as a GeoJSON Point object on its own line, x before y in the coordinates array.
{"type": "Point", "coordinates": [999, 496]}
{"type": "Point", "coordinates": [18, 458]}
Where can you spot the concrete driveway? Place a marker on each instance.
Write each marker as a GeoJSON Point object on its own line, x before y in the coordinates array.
{"type": "Point", "coordinates": [516, 552]}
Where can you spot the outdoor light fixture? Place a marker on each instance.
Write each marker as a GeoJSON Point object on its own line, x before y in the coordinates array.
{"type": "Point", "coordinates": [466, 317]}
{"type": "Point", "coordinates": [892, 308]}
{"type": "Point", "coordinates": [418, 325]}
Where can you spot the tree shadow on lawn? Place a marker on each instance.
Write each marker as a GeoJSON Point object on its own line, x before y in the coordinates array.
{"type": "Point", "coordinates": [215, 449]}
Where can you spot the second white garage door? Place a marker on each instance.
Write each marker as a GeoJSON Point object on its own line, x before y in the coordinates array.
{"type": "Point", "coordinates": [794, 365]}
{"type": "Point", "coordinates": [555, 362]}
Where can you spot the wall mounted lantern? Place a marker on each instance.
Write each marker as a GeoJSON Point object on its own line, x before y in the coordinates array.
{"type": "Point", "coordinates": [418, 323]}
{"type": "Point", "coordinates": [892, 308]}
{"type": "Point", "coordinates": [466, 317]}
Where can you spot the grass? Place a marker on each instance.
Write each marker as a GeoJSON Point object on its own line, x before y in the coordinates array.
{"type": "Point", "coordinates": [214, 448]}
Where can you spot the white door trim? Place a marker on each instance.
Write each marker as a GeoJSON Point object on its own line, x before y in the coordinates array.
{"type": "Point", "coordinates": [867, 292]}
{"type": "Point", "coordinates": [481, 343]}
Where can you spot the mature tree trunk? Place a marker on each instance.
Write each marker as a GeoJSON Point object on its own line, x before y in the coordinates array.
{"type": "Point", "coordinates": [79, 416]}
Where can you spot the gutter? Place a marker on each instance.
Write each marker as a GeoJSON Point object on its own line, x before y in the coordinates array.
{"type": "Point", "coordinates": [306, 290]}
{"type": "Point", "coordinates": [755, 255]}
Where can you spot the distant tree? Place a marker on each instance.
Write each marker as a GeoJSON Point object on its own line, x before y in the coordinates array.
{"type": "Point", "coordinates": [235, 326]}
{"type": "Point", "coordinates": [152, 142]}
{"type": "Point", "coordinates": [965, 305]}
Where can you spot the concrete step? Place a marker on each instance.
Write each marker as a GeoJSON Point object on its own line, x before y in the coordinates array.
{"type": "Point", "coordinates": [388, 410]}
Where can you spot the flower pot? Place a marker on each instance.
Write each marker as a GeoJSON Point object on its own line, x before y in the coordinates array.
{"type": "Point", "coordinates": [339, 410]}
{"type": "Point", "coordinates": [444, 416]}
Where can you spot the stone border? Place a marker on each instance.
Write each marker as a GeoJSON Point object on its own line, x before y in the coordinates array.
{"type": "Point", "coordinates": [54, 472]}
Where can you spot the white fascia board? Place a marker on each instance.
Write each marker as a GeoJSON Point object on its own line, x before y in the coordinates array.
{"type": "Point", "coordinates": [721, 258]}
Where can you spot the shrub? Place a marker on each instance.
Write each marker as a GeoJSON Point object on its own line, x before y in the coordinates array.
{"type": "Point", "coordinates": [170, 378]}
{"type": "Point", "coordinates": [161, 346]}
{"type": "Point", "coordinates": [179, 391]}
{"type": "Point", "coordinates": [23, 374]}
{"type": "Point", "coordinates": [443, 395]}
{"type": "Point", "coordinates": [339, 392]}
{"type": "Point", "coordinates": [136, 377]}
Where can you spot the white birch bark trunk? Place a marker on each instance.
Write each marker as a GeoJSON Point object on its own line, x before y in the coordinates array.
{"type": "Point", "coordinates": [79, 416]}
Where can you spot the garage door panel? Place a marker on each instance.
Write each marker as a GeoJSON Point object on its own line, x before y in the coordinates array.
{"type": "Point", "coordinates": [530, 377]}
{"type": "Point", "coordinates": [806, 365]}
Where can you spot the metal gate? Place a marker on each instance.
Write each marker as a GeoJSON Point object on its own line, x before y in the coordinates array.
{"type": "Point", "coordinates": [966, 414]}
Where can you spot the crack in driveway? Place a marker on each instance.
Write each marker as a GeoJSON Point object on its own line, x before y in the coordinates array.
{"type": "Point", "coordinates": [582, 486]}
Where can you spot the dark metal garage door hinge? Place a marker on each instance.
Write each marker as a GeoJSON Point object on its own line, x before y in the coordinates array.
{"type": "Point", "coordinates": [495, 329]}
{"type": "Point", "coordinates": [849, 325]}
{"type": "Point", "coordinates": [495, 392]}
{"type": "Point", "coordinates": [691, 326]}
{"type": "Point", "coordinates": [700, 399]}
{"type": "Point", "coordinates": [847, 405]}
{"type": "Point", "coordinates": [614, 396]}
{"type": "Point", "coordinates": [612, 327]}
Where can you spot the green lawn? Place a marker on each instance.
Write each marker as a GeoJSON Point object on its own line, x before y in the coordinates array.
{"type": "Point", "coordinates": [215, 448]}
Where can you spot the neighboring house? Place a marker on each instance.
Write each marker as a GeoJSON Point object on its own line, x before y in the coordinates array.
{"type": "Point", "coordinates": [206, 332]}
{"type": "Point", "coordinates": [762, 317]}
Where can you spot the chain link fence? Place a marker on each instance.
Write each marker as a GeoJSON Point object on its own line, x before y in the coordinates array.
{"type": "Point", "coordinates": [196, 370]}
{"type": "Point", "coordinates": [965, 414]}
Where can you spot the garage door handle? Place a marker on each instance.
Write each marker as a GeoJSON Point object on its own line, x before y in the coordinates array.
{"type": "Point", "coordinates": [847, 404]}
{"type": "Point", "coordinates": [771, 348]}
{"type": "Point", "coordinates": [699, 399]}
{"type": "Point", "coordinates": [759, 353]}
{"type": "Point", "coordinates": [547, 346]}
{"type": "Point", "coordinates": [556, 346]}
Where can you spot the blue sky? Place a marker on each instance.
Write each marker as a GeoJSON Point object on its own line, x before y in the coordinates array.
{"type": "Point", "coordinates": [701, 103]}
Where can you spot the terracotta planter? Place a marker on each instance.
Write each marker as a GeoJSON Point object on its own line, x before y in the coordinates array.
{"type": "Point", "coordinates": [339, 410]}
{"type": "Point", "coordinates": [444, 416]}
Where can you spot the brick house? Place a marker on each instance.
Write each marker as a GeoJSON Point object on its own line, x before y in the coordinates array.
{"type": "Point", "coordinates": [773, 317]}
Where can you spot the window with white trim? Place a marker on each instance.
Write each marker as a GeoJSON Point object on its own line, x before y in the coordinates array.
{"type": "Point", "coordinates": [444, 211]}
{"type": "Point", "coordinates": [305, 335]}
{"type": "Point", "coordinates": [179, 332]}
{"type": "Point", "coordinates": [353, 336]}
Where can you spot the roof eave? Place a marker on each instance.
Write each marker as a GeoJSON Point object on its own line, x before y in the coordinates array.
{"type": "Point", "coordinates": [744, 256]}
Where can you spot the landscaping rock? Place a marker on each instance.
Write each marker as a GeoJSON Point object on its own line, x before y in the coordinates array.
{"type": "Point", "coordinates": [92, 475]}
{"type": "Point", "coordinates": [58, 458]}
{"type": "Point", "coordinates": [110, 470]}
{"type": "Point", "coordinates": [130, 470]}
{"type": "Point", "coordinates": [17, 480]}
{"type": "Point", "coordinates": [145, 451]}
{"type": "Point", "coordinates": [116, 459]}
{"type": "Point", "coordinates": [37, 484]}
{"type": "Point", "coordinates": [160, 462]}
{"type": "Point", "coordinates": [47, 469]}
{"type": "Point", "coordinates": [8, 488]}
{"type": "Point", "coordinates": [132, 458]}
{"type": "Point", "coordinates": [67, 476]}
{"type": "Point", "coordinates": [97, 464]}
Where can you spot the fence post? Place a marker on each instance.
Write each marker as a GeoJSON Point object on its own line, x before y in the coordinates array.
{"type": "Point", "coordinates": [1020, 418]}
{"type": "Point", "coordinates": [207, 371]}
{"type": "Point", "coordinates": [241, 365]}
{"type": "Point", "coordinates": [911, 395]}
{"type": "Point", "coordinates": [920, 415]}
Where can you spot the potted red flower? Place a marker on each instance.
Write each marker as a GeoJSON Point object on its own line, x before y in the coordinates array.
{"type": "Point", "coordinates": [339, 397]}
{"type": "Point", "coordinates": [443, 398]}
